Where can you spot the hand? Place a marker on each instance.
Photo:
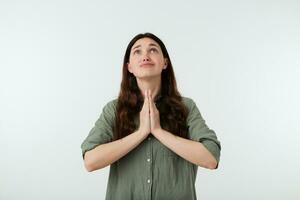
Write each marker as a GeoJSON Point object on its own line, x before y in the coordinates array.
{"type": "Point", "coordinates": [144, 127]}
{"type": "Point", "coordinates": [154, 115]}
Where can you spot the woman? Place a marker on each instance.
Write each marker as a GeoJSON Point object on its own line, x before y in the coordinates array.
{"type": "Point", "coordinates": [153, 138]}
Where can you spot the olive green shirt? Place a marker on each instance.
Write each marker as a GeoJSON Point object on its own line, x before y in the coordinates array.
{"type": "Point", "coordinates": [151, 170]}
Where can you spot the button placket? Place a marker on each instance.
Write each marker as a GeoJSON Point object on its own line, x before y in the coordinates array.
{"type": "Point", "coordinates": [148, 161]}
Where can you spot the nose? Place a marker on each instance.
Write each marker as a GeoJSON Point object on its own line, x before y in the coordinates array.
{"type": "Point", "coordinates": [145, 59]}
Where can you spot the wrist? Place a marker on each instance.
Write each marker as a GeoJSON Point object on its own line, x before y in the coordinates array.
{"type": "Point", "coordinates": [156, 131]}
{"type": "Point", "coordinates": [141, 134]}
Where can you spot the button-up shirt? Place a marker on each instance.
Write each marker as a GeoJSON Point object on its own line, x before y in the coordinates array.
{"type": "Point", "coordinates": [151, 170]}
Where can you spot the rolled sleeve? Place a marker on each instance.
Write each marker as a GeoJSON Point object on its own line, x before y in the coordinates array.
{"type": "Point", "coordinates": [102, 132]}
{"type": "Point", "coordinates": [199, 131]}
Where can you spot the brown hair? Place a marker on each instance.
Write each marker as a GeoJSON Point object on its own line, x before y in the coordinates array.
{"type": "Point", "coordinates": [173, 112]}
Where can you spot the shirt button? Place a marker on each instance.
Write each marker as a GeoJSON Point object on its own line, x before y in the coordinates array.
{"type": "Point", "coordinates": [148, 181]}
{"type": "Point", "coordinates": [148, 160]}
{"type": "Point", "coordinates": [149, 138]}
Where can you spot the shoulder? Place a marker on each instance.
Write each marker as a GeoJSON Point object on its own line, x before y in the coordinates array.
{"type": "Point", "coordinates": [110, 107]}
{"type": "Point", "coordinates": [112, 103]}
{"type": "Point", "coordinates": [188, 102]}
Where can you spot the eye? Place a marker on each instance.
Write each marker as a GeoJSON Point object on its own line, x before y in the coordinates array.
{"type": "Point", "coordinates": [153, 50]}
{"type": "Point", "coordinates": [136, 51]}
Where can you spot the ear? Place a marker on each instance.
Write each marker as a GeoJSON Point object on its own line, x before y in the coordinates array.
{"type": "Point", "coordinates": [166, 63]}
{"type": "Point", "coordinates": [129, 67]}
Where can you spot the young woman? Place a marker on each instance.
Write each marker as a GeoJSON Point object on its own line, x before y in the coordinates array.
{"type": "Point", "coordinates": [153, 138]}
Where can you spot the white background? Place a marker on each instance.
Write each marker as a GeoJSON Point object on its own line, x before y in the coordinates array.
{"type": "Point", "coordinates": [61, 63]}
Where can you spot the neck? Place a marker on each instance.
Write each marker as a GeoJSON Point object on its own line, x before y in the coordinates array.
{"type": "Point", "coordinates": [151, 83]}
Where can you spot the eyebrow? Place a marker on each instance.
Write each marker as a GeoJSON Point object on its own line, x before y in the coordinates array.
{"type": "Point", "coordinates": [151, 44]}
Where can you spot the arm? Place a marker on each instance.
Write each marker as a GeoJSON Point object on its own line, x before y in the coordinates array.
{"type": "Point", "coordinates": [194, 152]}
{"type": "Point", "coordinates": [106, 154]}
{"type": "Point", "coordinates": [198, 148]}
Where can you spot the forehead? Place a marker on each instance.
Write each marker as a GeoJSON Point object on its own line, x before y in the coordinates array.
{"type": "Point", "coordinates": [145, 42]}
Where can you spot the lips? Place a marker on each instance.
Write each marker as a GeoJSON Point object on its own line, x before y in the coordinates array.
{"type": "Point", "coordinates": [147, 64]}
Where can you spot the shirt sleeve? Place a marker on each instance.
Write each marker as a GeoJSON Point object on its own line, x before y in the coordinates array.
{"type": "Point", "coordinates": [199, 131]}
{"type": "Point", "coordinates": [102, 132]}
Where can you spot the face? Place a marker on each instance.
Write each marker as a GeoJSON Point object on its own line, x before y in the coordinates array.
{"type": "Point", "coordinates": [146, 59]}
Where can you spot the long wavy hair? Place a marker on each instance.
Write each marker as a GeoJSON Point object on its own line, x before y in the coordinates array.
{"type": "Point", "coordinates": [173, 112]}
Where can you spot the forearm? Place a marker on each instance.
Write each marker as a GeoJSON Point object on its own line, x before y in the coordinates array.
{"type": "Point", "coordinates": [106, 154]}
{"type": "Point", "coordinates": [192, 151]}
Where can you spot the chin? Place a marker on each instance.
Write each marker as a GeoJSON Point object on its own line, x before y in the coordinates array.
{"type": "Point", "coordinates": [148, 75]}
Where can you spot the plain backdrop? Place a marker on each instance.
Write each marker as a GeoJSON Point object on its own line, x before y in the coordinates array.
{"type": "Point", "coordinates": [61, 63]}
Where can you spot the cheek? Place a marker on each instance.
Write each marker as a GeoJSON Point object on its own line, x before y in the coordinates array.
{"type": "Point", "coordinates": [159, 59]}
{"type": "Point", "coordinates": [134, 61]}
{"type": "Point", "coordinates": [160, 62]}
{"type": "Point", "coordinates": [133, 67]}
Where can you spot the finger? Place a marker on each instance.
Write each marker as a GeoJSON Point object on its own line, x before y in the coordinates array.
{"type": "Point", "coordinates": [147, 99]}
{"type": "Point", "coordinates": [149, 95]}
{"type": "Point", "coordinates": [151, 104]}
{"type": "Point", "coordinates": [145, 96]}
